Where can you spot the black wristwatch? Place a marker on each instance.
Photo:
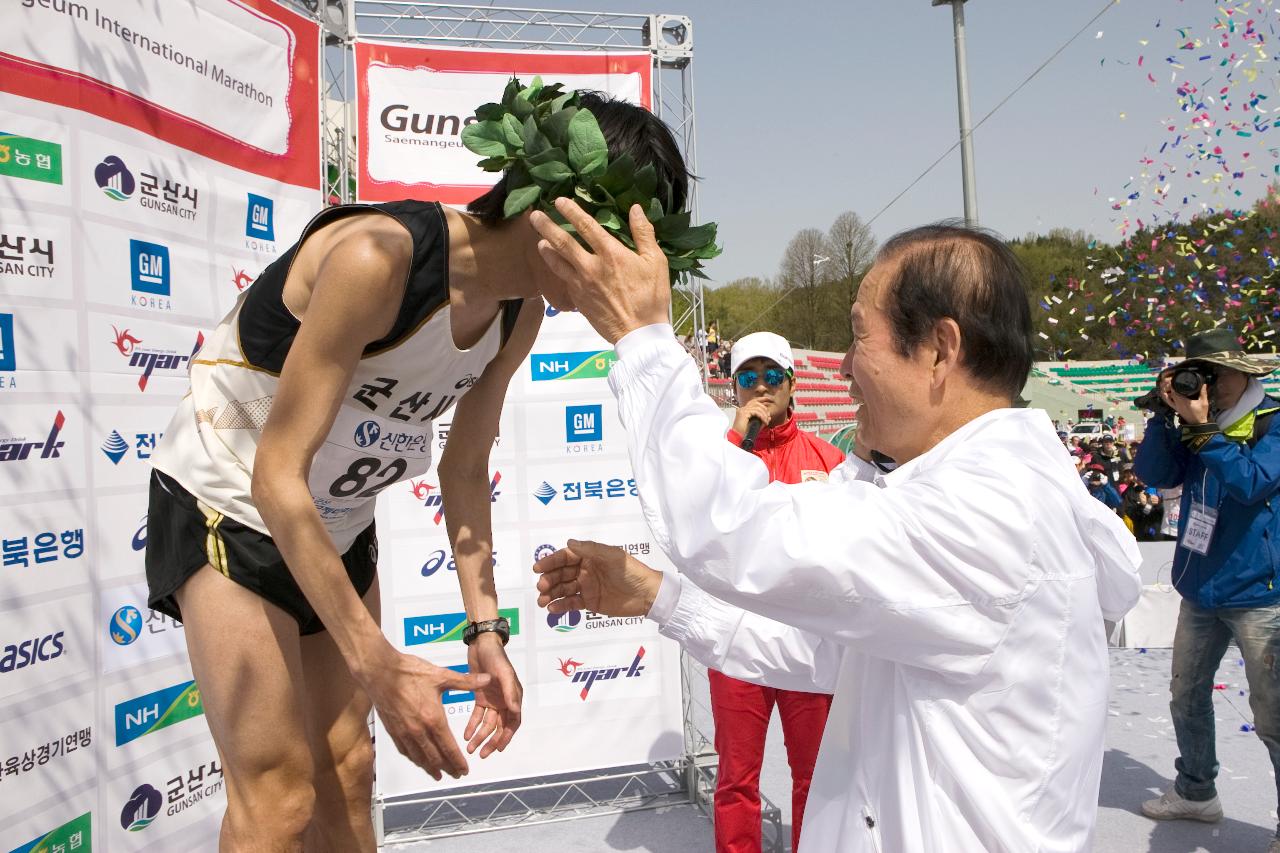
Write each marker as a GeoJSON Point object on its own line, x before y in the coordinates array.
{"type": "Point", "coordinates": [499, 626]}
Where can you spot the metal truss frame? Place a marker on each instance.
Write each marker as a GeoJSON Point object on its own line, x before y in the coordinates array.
{"type": "Point", "coordinates": [669, 39]}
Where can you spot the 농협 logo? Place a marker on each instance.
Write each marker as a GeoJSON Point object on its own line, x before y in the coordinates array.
{"type": "Point", "coordinates": [16, 451]}
{"type": "Point", "coordinates": [259, 219]}
{"type": "Point", "coordinates": [564, 622]}
{"type": "Point", "coordinates": [573, 670]}
{"type": "Point", "coordinates": [149, 265]}
{"type": "Point", "coordinates": [545, 493]}
{"type": "Point", "coordinates": [28, 652]}
{"type": "Point", "coordinates": [571, 365]}
{"type": "Point", "coordinates": [152, 712]}
{"type": "Point", "coordinates": [126, 625]}
{"type": "Point", "coordinates": [114, 178]}
{"type": "Point", "coordinates": [32, 159]}
{"type": "Point", "coordinates": [75, 834]}
{"type": "Point", "coordinates": [8, 357]}
{"type": "Point", "coordinates": [141, 809]}
{"type": "Point", "coordinates": [583, 423]}
{"type": "Point", "coordinates": [447, 627]}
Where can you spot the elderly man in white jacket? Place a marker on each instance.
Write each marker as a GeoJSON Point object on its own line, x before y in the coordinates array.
{"type": "Point", "coordinates": [954, 606]}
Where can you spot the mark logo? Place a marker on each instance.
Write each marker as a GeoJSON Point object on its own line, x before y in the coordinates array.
{"type": "Point", "coordinates": [16, 451]}
{"type": "Point", "coordinates": [149, 265]}
{"type": "Point", "coordinates": [114, 178]}
{"type": "Point", "coordinates": [126, 625]}
{"type": "Point", "coordinates": [143, 715]}
{"type": "Point", "coordinates": [422, 491]}
{"type": "Point", "coordinates": [142, 808]}
{"type": "Point", "coordinates": [571, 365]}
{"type": "Point", "coordinates": [259, 219]}
{"type": "Point", "coordinates": [151, 360]}
{"type": "Point", "coordinates": [240, 279]}
{"type": "Point", "coordinates": [573, 670]}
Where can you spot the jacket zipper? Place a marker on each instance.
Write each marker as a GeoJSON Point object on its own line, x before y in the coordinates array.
{"type": "Point", "coordinates": [869, 820]}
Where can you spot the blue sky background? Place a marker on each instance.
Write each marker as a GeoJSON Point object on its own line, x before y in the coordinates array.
{"type": "Point", "coordinates": [806, 109]}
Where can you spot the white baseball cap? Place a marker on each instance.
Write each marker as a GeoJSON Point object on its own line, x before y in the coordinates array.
{"type": "Point", "coordinates": [761, 345]}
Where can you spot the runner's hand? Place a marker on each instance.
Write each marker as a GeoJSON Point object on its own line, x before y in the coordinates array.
{"type": "Point", "coordinates": [406, 692]}
{"type": "Point", "coordinates": [497, 710]}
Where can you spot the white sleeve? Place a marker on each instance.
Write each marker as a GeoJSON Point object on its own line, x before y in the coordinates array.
{"type": "Point", "coordinates": [742, 644]}
{"type": "Point", "coordinates": [928, 573]}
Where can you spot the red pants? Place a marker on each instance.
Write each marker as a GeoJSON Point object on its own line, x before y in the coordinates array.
{"type": "Point", "coordinates": [741, 712]}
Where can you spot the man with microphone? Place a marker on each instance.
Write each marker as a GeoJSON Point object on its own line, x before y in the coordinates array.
{"type": "Point", "coordinates": [763, 372]}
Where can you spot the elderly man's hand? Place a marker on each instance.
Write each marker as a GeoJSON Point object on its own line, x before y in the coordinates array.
{"type": "Point", "coordinates": [616, 289]}
{"type": "Point", "coordinates": [591, 576]}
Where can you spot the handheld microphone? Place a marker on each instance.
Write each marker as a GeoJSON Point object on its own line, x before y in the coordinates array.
{"type": "Point", "coordinates": [754, 425]}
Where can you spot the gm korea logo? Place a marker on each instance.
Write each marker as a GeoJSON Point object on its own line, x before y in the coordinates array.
{"type": "Point", "coordinates": [583, 423]}
{"type": "Point", "coordinates": [149, 265]}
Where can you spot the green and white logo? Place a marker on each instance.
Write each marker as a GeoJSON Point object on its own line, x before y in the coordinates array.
{"type": "Point", "coordinates": [32, 159]}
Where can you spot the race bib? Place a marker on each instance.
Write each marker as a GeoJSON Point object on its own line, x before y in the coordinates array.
{"type": "Point", "coordinates": [1199, 531]}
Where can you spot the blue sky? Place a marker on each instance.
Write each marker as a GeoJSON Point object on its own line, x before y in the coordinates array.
{"type": "Point", "coordinates": [806, 109]}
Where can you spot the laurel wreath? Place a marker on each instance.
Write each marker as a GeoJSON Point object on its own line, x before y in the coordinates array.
{"type": "Point", "coordinates": [551, 147]}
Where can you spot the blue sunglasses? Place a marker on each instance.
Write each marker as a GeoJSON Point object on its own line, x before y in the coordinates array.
{"type": "Point", "coordinates": [748, 379]}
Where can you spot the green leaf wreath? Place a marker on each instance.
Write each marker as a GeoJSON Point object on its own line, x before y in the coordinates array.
{"type": "Point", "coordinates": [550, 146]}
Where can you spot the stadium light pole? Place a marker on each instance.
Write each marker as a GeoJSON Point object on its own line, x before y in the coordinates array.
{"type": "Point", "coordinates": [962, 96]}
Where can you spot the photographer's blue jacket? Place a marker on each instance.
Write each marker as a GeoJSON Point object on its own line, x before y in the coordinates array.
{"type": "Point", "coordinates": [1243, 484]}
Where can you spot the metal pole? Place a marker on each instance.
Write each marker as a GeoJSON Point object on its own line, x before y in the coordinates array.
{"type": "Point", "coordinates": [966, 132]}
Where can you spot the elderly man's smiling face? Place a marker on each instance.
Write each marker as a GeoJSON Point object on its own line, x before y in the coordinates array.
{"type": "Point", "coordinates": [894, 390]}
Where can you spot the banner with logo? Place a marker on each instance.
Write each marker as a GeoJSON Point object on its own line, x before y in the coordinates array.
{"type": "Point", "coordinates": [599, 691]}
{"type": "Point", "coordinates": [154, 157]}
{"type": "Point", "coordinates": [413, 103]}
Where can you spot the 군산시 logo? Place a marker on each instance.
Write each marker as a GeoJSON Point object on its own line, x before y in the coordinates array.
{"type": "Point", "coordinates": [563, 623]}
{"type": "Point", "coordinates": [126, 625]}
{"type": "Point", "coordinates": [114, 178]}
{"type": "Point", "coordinates": [142, 807]}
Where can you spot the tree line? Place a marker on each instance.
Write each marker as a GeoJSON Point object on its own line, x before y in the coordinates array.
{"type": "Point", "coordinates": [1136, 298]}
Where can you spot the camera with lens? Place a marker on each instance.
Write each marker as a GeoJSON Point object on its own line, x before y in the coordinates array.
{"type": "Point", "coordinates": [1186, 381]}
{"type": "Point", "coordinates": [1097, 478]}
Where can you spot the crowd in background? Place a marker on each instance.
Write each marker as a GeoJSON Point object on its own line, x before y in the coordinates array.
{"type": "Point", "coordinates": [1105, 466]}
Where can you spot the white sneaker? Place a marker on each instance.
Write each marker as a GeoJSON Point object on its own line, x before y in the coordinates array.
{"type": "Point", "coordinates": [1173, 806]}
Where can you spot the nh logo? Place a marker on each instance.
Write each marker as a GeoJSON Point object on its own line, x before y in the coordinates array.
{"type": "Point", "coordinates": [553, 367]}
{"type": "Point", "coordinates": [583, 423]}
{"type": "Point", "coordinates": [259, 220]}
{"type": "Point", "coordinates": [150, 267]}
{"type": "Point", "coordinates": [142, 717]}
{"type": "Point", "coordinates": [429, 630]}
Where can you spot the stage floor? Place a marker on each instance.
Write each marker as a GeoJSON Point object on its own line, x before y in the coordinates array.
{"type": "Point", "coordinates": [1138, 765]}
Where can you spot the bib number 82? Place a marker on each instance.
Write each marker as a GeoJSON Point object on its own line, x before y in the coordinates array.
{"type": "Point", "coordinates": [359, 474]}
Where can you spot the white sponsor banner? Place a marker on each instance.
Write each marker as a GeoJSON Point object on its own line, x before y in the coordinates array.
{"type": "Point", "coordinates": [129, 355]}
{"type": "Point", "coordinates": [156, 806]}
{"type": "Point", "coordinates": [122, 535]}
{"type": "Point", "coordinates": [220, 63]}
{"type": "Point", "coordinates": [48, 748]}
{"type": "Point", "coordinates": [35, 253]}
{"type": "Point", "coordinates": [414, 102]}
{"type": "Point", "coordinates": [573, 429]}
{"type": "Point", "coordinates": [33, 154]}
{"type": "Point", "coordinates": [123, 440]}
{"type": "Point", "coordinates": [41, 448]}
{"type": "Point", "coordinates": [42, 548]}
{"type": "Point", "coordinates": [158, 192]}
{"type": "Point", "coordinates": [425, 565]}
{"type": "Point", "coordinates": [135, 634]}
{"type": "Point", "coordinates": [256, 222]}
{"type": "Point", "coordinates": [139, 268]}
{"type": "Point", "coordinates": [44, 645]}
{"type": "Point", "coordinates": [39, 348]}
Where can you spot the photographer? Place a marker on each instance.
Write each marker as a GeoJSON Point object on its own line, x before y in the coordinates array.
{"type": "Point", "coordinates": [1099, 486]}
{"type": "Point", "coordinates": [1225, 452]}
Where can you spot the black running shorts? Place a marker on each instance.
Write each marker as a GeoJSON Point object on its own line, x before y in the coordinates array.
{"type": "Point", "coordinates": [184, 534]}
